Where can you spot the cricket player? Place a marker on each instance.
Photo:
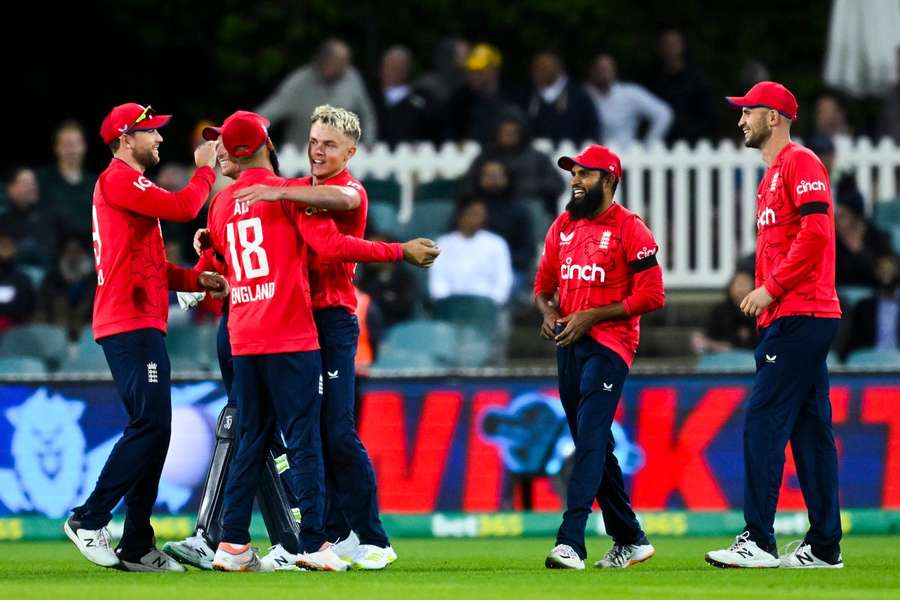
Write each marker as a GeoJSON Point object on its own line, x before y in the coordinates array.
{"type": "Point", "coordinates": [130, 313]}
{"type": "Point", "coordinates": [600, 258]}
{"type": "Point", "coordinates": [352, 507]}
{"type": "Point", "coordinates": [277, 367]}
{"type": "Point", "coordinates": [797, 311]}
{"type": "Point", "coordinates": [276, 501]}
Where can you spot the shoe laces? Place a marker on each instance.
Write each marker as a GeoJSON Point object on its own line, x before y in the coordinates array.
{"type": "Point", "coordinates": [618, 553]}
{"type": "Point", "coordinates": [740, 541]}
{"type": "Point", "coordinates": [103, 538]}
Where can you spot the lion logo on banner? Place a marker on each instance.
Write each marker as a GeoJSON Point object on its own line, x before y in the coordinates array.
{"type": "Point", "coordinates": [48, 449]}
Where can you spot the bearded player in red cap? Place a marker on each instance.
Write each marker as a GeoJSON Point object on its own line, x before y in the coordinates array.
{"type": "Point", "coordinates": [797, 311]}
{"type": "Point", "coordinates": [601, 260]}
{"type": "Point", "coordinates": [277, 368]}
{"type": "Point", "coordinates": [130, 312]}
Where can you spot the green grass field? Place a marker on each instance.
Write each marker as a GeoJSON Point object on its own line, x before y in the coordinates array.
{"type": "Point", "coordinates": [462, 569]}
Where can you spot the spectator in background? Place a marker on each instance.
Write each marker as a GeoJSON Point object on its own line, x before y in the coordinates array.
{"type": "Point", "coordinates": [16, 292]}
{"type": "Point", "coordinates": [474, 110]}
{"type": "Point", "coordinates": [622, 107]}
{"type": "Point", "coordinates": [67, 293]}
{"type": "Point", "coordinates": [27, 221]}
{"type": "Point", "coordinates": [392, 286]}
{"type": "Point", "coordinates": [727, 327]}
{"type": "Point", "coordinates": [448, 71]}
{"type": "Point", "coordinates": [67, 189]}
{"type": "Point", "coordinates": [859, 242]}
{"type": "Point", "coordinates": [889, 120]}
{"type": "Point", "coordinates": [830, 116]}
{"type": "Point", "coordinates": [329, 79]}
{"type": "Point", "coordinates": [475, 262]}
{"type": "Point", "coordinates": [683, 87]}
{"type": "Point", "coordinates": [506, 215]}
{"type": "Point", "coordinates": [558, 108]}
{"type": "Point", "coordinates": [402, 112]}
{"type": "Point", "coordinates": [752, 72]}
{"type": "Point", "coordinates": [534, 174]}
{"type": "Point", "coordinates": [875, 322]}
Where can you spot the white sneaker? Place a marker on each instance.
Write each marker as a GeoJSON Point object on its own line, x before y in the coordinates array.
{"type": "Point", "coordinates": [92, 543]}
{"type": "Point", "coordinates": [192, 551]}
{"type": "Point", "coordinates": [347, 547]}
{"type": "Point", "coordinates": [235, 557]}
{"type": "Point", "coordinates": [802, 557]}
{"type": "Point", "coordinates": [563, 557]}
{"type": "Point", "coordinates": [373, 558]}
{"type": "Point", "coordinates": [278, 559]}
{"type": "Point", "coordinates": [622, 557]}
{"type": "Point", "coordinates": [743, 553]}
{"type": "Point", "coordinates": [153, 561]}
{"type": "Point", "coordinates": [326, 559]}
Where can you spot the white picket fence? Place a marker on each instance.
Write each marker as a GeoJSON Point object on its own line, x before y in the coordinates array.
{"type": "Point", "coordinates": [699, 201]}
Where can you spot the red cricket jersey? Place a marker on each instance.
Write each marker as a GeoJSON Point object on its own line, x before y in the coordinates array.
{"type": "Point", "coordinates": [133, 277]}
{"type": "Point", "coordinates": [331, 283]}
{"type": "Point", "coordinates": [265, 248]}
{"type": "Point", "coordinates": [795, 250]}
{"type": "Point", "coordinates": [601, 261]}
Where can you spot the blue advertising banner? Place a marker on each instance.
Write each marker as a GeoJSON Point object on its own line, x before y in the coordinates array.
{"type": "Point", "coordinates": [475, 445]}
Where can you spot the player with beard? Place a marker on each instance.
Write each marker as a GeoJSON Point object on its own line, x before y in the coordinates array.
{"type": "Point", "coordinates": [600, 258]}
{"type": "Point", "coordinates": [797, 312]}
{"type": "Point", "coordinates": [130, 312]}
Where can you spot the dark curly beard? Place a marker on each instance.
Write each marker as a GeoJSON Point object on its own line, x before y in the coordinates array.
{"type": "Point", "coordinates": [146, 159]}
{"type": "Point", "coordinates": [587, 206]}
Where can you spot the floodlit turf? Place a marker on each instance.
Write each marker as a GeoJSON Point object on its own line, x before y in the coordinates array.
{"type": "Point", "coordinates": [462, 569]}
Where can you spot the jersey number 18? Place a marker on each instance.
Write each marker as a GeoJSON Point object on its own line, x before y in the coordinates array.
{"type": "Point", "coordinates": [249, 248]}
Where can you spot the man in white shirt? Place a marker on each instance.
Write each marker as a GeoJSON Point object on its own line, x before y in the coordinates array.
{"type": "Point", "coordinates": [622, 106]}
{"type": "Point", "coordinates": [474, 261]}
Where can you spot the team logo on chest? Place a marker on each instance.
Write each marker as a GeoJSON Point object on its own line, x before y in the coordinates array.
{"type": "Point", "coordinates": [565, 239]}
{"type": "Point", "coordinates": [604, 240]}
{"type": "Point", "coordinates": [774, 182]}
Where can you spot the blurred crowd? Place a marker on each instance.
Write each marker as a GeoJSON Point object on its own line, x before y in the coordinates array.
{"type": "Point", "coordinates": [500, 207]}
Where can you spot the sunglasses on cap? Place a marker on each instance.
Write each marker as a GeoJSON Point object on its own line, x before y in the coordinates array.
{"type": "Point", "coordinates": [147, 114]}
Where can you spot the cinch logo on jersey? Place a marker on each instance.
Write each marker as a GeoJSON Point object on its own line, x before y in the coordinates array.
{"type": "Point", "coordinates": [247, 293]}
{"type": "Point", "coordinates": [583, 272]}
{"type": "Point", "coordinates": [766, 217]}
{"type": "Point", "coordinates": [810, 186]}
{"type": "Point", "coordinates": [645, 252]}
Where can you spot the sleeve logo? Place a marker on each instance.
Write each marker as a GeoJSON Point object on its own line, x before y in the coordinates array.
{"type": "Point", "coordinates": [645, 252]}
{"type": "Point", "coordinates": [810, 186]}
{"type": "Point", "coordinates": [142, 183]}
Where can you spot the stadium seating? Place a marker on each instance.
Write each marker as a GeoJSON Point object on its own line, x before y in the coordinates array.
{"type": "Point", "coordinates": [21, 365]}
{"type": "Point", "coordinates": [887, 213]}
{"type": "Point", "coordinates": [736, 360]}
{"type": "Point", "coordinates": [192, 347]}
{"type": "Point", "coordinates": [87, 357]}
{"type": "Point", "coordinates": [874, 359]}
{"type": "Point", "coordinates": [45, 342]}
{"type": "Point", "coordinates": [850, 295]}
{"type": "Point", "coordinates": [540, 220]}
{"type": "Point", "coordinates": [436, 188]}
{"type": "Point", "coordinates": [479, 312]}
{"type": "Point", "coordinates": [383, 217]}
{"type": "Point", "coordinates": [382, 190]}
{"type": "Point", "coordinates": [894, 230]}
{"type": "Point", "coordinates": [430, 218]}
{"type": "Point", "coordinates": [399, 359]}
{"type": "Point", "coordinates": [433, 339]}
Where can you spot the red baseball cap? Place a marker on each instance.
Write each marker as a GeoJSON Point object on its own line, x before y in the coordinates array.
{"type": "Point", "coordinates": [769, 94]}
{"type": "Point", "coordinates": [243, 133]}
{"type": "Point", "coordinates": [129, 117]}
{"type": "Point", "coordinates": [594, 156]}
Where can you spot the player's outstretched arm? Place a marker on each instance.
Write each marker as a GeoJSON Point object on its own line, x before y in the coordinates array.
{"type": "Point", "coordinates": [327, 197]}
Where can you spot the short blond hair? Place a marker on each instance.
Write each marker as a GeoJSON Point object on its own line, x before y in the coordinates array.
{"type": "Point", "coordinates": [345, 121]}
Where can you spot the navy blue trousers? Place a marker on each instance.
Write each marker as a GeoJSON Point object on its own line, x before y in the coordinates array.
{"type": "Point", "coordinates": [591, 377]}
{"type": "Point", "coordinates": [790, 401]}
{"type": "Point", "coordinates": [350, 478]}
{"type": "Point", "coordinates": [140, 369]}
{"type": "Point", "coordinates": [277, 391]}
